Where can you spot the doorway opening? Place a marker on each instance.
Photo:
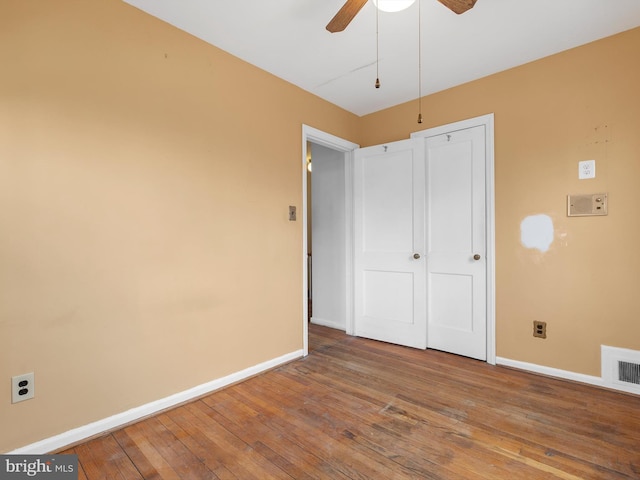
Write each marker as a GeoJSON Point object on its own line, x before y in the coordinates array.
{"type": "Point", "coordinates": [327, 231]}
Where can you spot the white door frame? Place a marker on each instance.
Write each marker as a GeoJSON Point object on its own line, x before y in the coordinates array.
{"type": "Point", "coordinates": [310, 134]}
{"type": "Point", "coordinates": [487, 121]}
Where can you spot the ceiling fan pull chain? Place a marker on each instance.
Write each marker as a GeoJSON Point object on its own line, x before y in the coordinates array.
{"type": "Point", "coordinates": [377, 52]}
{"type": "Point", "coordinates": [419, 62]}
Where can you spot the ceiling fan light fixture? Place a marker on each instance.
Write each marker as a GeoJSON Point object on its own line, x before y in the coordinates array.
{"type": "Point", "coordinates": [393, 5]}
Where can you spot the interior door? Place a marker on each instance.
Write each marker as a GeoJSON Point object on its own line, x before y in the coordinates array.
{"type": "Point", "coordinates": [389, 238]}
{"type": "Point", "coordinates": [456, 242]}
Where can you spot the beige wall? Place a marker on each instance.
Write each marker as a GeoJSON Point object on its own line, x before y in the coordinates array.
{"type": "Point", "coordinates": [144, 184]}
{"type": "Point", "coordinates": [145, 179]}
{"type": "Point", "coordinates": [581, 104]}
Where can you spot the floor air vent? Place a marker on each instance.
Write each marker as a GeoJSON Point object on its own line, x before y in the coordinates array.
{"type": "Point", "coordinates": [621, 369]}
{"type": "Point", "coordinates": [629, 372]}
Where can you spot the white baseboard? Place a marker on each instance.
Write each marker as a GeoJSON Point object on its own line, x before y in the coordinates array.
{"type": "Point", "coordinates": [76, 435]}
{"type": "Point", "coordinates": [327, 323]}
{"type": "Point", "coordinates": [552, 372]}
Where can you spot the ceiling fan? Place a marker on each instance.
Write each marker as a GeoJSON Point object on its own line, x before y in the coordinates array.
{"type": "Point", "coordinates": [351, 8]}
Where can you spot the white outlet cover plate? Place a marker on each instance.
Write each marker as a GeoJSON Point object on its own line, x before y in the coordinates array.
{"type": "Point", "coordinates": [586, 169]}
{"type": "Point", "coordinates": [15, 387]}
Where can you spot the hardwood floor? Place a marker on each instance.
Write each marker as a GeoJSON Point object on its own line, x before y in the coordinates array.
{"type": "Point", "coordinates": [359, 409]}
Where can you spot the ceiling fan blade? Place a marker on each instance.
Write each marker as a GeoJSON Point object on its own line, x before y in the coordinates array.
{"type": "Point", "coordinates": [458, 6]}
{"type": "Point", "coordinates": [344, 16]}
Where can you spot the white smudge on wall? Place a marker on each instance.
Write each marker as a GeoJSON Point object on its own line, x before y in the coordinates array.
{"type": "Point", "coordinates": [536, 231]}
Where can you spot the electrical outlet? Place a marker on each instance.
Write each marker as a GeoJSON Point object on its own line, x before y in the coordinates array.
{"type": "Point", "coordinates": [540, 329]}
{"type": "Point", "coordinates": [587, 169]}
{"type": "Point", "coordinates": [22, 387]}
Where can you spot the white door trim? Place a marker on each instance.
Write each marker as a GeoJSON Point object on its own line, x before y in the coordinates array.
{"type": "Point", "coordinates": [310, 134]}
{"type": "Point", "coordinates": [488, 122]}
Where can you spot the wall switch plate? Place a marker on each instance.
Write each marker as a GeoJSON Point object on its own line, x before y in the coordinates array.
{"type": "Point", "coordinates": [22, 387]}
{"type": "Point", "coordinates": [587, 205]}
{"type": "Point", "coordinates": [292, 213]}
{"type": "Point", "coordinates": [586, 169]}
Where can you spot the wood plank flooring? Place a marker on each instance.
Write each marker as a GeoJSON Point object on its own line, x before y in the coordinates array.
{"type": "Point", "coordinates": [360, 409]}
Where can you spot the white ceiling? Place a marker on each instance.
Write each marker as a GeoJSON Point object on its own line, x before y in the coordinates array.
{"type": "Point", "coordinates": [288, 39]}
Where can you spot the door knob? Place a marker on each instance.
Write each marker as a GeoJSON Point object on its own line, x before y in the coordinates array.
{"type": "Point", "coordinates": [416, 256]}
{"type": "Point", "coordinates": [476, 257]}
